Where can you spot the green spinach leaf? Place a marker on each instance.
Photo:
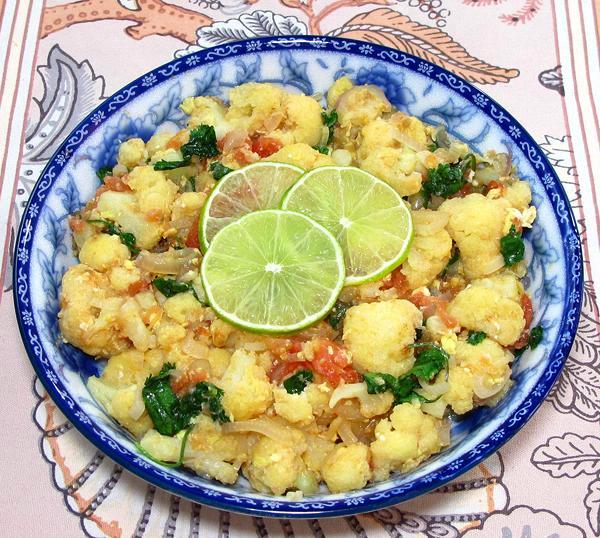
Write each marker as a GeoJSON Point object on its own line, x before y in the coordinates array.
{"type": "Point", "coordinates": [219, 170]}
{"type": "Point", "coordinates": [202, 143]}
{"type": "Point", "coordinates": [512, 247]}
{"type": "Point", "coordinates": [476, 337]}
{"type": "Point", "coordinates": [330, 119]}
{"type": "Point", "coordinates": [103, 172]}
{"type": "Point", "coordinates": [295, 384]}
{"type": "Point", "coordinates": [536, 336]}
{"type": "Point", "coordinates": [322, 149]}
{"type": "Point", "coordinates": [338, 313]}
{"type": "Point", "coordinates": [170, 165]}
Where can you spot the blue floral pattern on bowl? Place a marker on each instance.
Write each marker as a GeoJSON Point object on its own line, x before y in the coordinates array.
{"type": "Point", "coordinates": [310, 65]}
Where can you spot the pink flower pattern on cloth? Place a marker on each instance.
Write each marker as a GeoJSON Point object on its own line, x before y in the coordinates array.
{"type": "Point", "coordinates": [536, 58]}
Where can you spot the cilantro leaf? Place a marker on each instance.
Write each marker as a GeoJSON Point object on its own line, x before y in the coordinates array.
{"type": "Point", "coordinates": [379, 382]}
{"type": "Point", "coordinates": [296, 383]}
{"type": "Point", "coordinates": [330, 119]}
{"type": "Point", "coordinates": [476, 337]}
{"type": "Point", "coordinates": [103, 172]}
{"type": "Point", "coordinates": [127, 238]}
{"type": "Point", "coordinates": [337, 314]}
{"type": "Point", "coordinates": [202, 143]}
{"type": "Point", "coordinates": [446, 180]}
{"type": "Point", "coordinates": [204, 394]}
{"type": "Point", "coordinates": [535, 336]}
{"type": "Point", "coordinates": [429, 362]}
{"type": "Point", "coordinates": [169, 286]}
{"type": "Point", "coordinates": [512, 247]}
{"type": "Point", "coordinates": [170, 165]}
{"type": "Point", "coordinates": [322, 149]}
{"type": "Point", "coordinates": [219, 170]}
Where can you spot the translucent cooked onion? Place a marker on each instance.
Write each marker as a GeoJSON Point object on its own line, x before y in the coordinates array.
{"type": "Point", "coordinates": [342, 157]}
{"type": "Point", "coordinates": [496, 263]}
{"type": "Point", "coordinates": [444, 432]}
{"type": "Point", "coordinates": [433, 390]}
{"type": "Point", "coordinates": [171, 262]}
{"type": "Point", "coordinates": [345, 432]}
{"type": "Point", "coordinates": [347, 391]}
{"type": "Point", "coordinates": [435, 409]}
{"type": "Point", "coordinates": [234, 139]}
{"type": "Point", "coordinates": [272, 122]}
{"type": "Point", "coordinates": [264, 426]}
{"type": "Point", "coordinates": [195, 349]}
{"type": "Point", "coordinates": [349, 409]}
{"type": "Point", "coordinates": [483, 390]}
{"type": "Point", "coordinates": [493, 167]}
{"type": "Point", "coordinates": [429, 222]}
{"type": "Point", "coordinates": [138, 407]}
{"type": "Point", "coordinates": [409, 142]}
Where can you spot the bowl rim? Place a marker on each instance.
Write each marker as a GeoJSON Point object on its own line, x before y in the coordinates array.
{"type": "Point", "coordinates": [358, 501]}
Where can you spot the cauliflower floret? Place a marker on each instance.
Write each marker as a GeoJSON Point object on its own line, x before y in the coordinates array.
{"type": "Point", "coordinates": [184, 308]}
{"type": "Point", "coordinates": [124, 404]}
{"type": "Point", "coordinates": [252, 103]}
{"type": "Point", "coordinates": [301, 155]}
{"type": "Point", "coordinates": [168, 333]}
{"type": "Point", "coordinates": [302, 121]}
{"type": "Point", "coordinates": [377, 335]}
{"type": "Point", "coordinates": [158, 142]}
{"type": "Point", "coordinates": [431, 248]}
{"type": "Point", "coordinates": [482, 308]}
{"type": "Point", "coordinates": [361, 105]}
{"type": "Point", "coordinates": [123, 276]}
{"type": "Point", "coordinates": [187, 205]}
{"type": "Point", "coordinates": [411, 129]}
{"type": "Point", "coordinates": [206, 111]}
{"type": "Point", "coordinates": [390, 164]}
{"type": "Point", "coordinates": [133, 325]}
{"type": "Point", "coordinates": [131, 367]}
{"type": "Point", "coordinates": [102, 251]}
{"type": "Point", "coordinates": [480, 372]}
{"type": "Point", "coordinates": [89, 312]}
{"type": "Point", "coordinates": [293, 407]}
{"type": "Point", "coordinates": [340, 86]}
{"type": "Point", "coordinates": [132, 152]}
{"type": "Point", "coordinates": [274, 466]}
{"type": "Point", "coordinates": [504, 282]}
{"type": "Point", "coordinates": [476, 224]}
{"type": "Point", "coordinates": [518, 194]}
{"type": "Point", "coordinates": [218, 360]}
{"type": "Point", "coordinates": [154, 193]}
{"type": "Point", "coordinates": [347, 468]}
{"type": "Point", "coordinates": [247, 388]}
{"type": "Point", "coordinates": [404, 440]}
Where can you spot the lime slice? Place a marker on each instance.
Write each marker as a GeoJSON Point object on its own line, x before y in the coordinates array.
{"type": "Point", "coordinates": [367, 216]}
{"type": "Point", "coordinates": [273, 271]}
{"type": "Point", "coordinates": [256, 186]}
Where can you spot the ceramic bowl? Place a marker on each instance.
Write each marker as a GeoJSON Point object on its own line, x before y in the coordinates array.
{"type": "Point", "coordinates": [309, 65]}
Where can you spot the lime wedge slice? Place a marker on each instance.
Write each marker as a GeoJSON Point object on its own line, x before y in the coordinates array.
{"type": "Point", "coordinates": [256, 186]}
{"type": "Point", "coordinates": [368, 218]}
{"type": "Point", "coordinates": [273, 271]}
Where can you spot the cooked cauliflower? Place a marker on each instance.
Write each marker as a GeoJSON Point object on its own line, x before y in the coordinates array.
{"type": "Point", "coordinates": [274, 466]}
{"type": "Point", "coordinates": [480, 372]}
{"type": "Point", "coordinates": [302, 121]}
{"type": "Point", "coordinates": [247, 388]}
{"type": "Point", "coordinates": [206, 111]}
{"type": "Point", "coordinates": [301, 155]}
{"type": "Point", "coordinates": [251, 104]}
{"type": "Point", "coordinates": [184, 308]}
{"type": "Point", "coordinates": [132, 152]}
{"type": "Point", "coordinates": [89, 312]}
{"type": "Point", "coordinates": [347, 468]}
{"type": "Point", "coordinates": [518, 194]}
{"type": "Point", "coordinates": [430, 250]}
{"type": "Point", "coordinates": [103, 251]}
{"type": "Point", "coordinates": [294, 408]}
{"type": "Point", "coordinates": [476, 224]}
{"type": "Point", "coordinates": [340, 86]}
{"type": "Point", "coordinates": [377, 335]}
{"type": "Point", "coordinates": [404, 440]}
{"type": "Point", "coordinates": [480, 307]}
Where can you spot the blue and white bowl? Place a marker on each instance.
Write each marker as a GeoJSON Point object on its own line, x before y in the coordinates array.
{"type": "Point", "coordinates": [310, 65]}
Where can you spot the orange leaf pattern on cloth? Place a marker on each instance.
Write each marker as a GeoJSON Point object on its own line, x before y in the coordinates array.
{"type": "Point", "coordinates": [388, 27]}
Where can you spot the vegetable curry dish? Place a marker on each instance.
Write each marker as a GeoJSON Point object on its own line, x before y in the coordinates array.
{"type": "Point", "coordinates": [301, 289]}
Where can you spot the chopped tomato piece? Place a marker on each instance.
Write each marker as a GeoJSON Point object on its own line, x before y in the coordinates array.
{"type": "Point", "coordinates": [527, 309]}
{"type": "Point", "coordinates": [496, 185]}
{"type": "Point", "coordinates": [187, 380]}
{"type": "Point", "coordinates": [421, 300]}
{"type": "Point", "coordinates": [117, 184]}
{"type": "Point", "coordinates": [192, 239]}
{"type": "Point", "coordinates": [522, 341]}
{"type": "Point", "coordinates": [265, 146]}
{"type": "Point", "coordinates": [332, 362]}
{"type": "Point", "coordinates": [467, 188]}
{"type": "Point", "coordinates": [137, 286]}
{"type": "Point", "coordinates": [283, 369]}
{"type": "Point", "coordinates": [76, 224]}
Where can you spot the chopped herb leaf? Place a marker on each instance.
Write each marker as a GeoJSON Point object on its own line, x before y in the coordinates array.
{"type": "Point", "coordinates": [169, 286]}
{"type": "Point", "coordinates": [476, 337]}
{"type": "Point", "coordinates": [433, 146]}
{"type": "Point", "coordinates": [103, 172]}
{"type": "Point", "coordinates": [322, 149]}
{"type": "Point", "coordinates": [337, 314]}
{"type": "Point", "coordinates": [535, 336]}
{"type": "Point", "coordinates": [170, 414]}
{"type": "Point", "coordinates": [296, 383]}
{"type": "Point", "coordinates": [512, 247]}
{"type": "Point", "coordinates": [127, 238]}
{"type": "Point", "coordinates": [170, 165]}
{"type": "Point", "coordinates": [168, 464]}
{"type": "Point", "coordinates": [429, 362]}
{"type": "Point", "coordinates": [330, 119]}
{"type": "Point", "coordinates": [378, 383]}
{"type": "Point", "coordinates": [219, 170]}
{"type": "Point", "coordinates": [202, 143]}
{"type": "Point", "coordinates": [447, 179]}
{"type": "Point", "coordinates": [453, 259]}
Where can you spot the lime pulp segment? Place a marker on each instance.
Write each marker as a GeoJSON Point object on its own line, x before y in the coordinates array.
{"type": "Point", "coordinates": [368, 218]}
{"type": "Point", "coordinates": [273, 271]}
{"type": "Point", "coordinates": [257, 186]}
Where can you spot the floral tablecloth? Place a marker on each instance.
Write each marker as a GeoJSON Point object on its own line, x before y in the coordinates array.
{"type": "Point", "coordinates": [539, 58]}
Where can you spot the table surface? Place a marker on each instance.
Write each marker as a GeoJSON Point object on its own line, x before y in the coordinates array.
{"type": "Point", "coordinates": [539, 58]}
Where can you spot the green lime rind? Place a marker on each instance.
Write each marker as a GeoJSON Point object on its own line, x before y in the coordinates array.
{"type": "Point", "coordinates": [273, 272]}
{"type": "Point", "coordinates": [366, 215]}
{"type": "Point", "coordinates": [255, 187]}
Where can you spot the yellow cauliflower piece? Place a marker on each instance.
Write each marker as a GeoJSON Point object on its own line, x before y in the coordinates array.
{"type": "Point", "coordinates": [480, 372]}
{"type": "Point", "coordinates": [206, 111]}
{"type": "Point", "coordinates": [377, 335]}
{"type": "Point", "coordinates": [302, 121]}
{"type": "Point", "coordinates": [482, 308]}
{"type": "Point", "coordinates": [347, 468]}
{"type": "Point", "coordinates": [518, 194]}
{"type": "Point", "coordinates": [430, 250]}
{"type": "Point", "coordinates": [504, 282]}
{"type": "Point", "coordinates": [340, 86]}
{"type": "Point", "coordinates": [274, 466]}
{"type": "Point", "coordinates": [301, 155]}
{"type": "Point", "coordinates": [361, 105]}
{"type": "Point", "coordinates": [169, 332]}
{"type": "Point", "coordinates": [102, 251]}
{"type": "Point", "coordinates": [89, 312]}
{"type": "Point", "coordinates": [184, 308]}
{"type": "Point", "coordinates": [246, 386]}
{"type": "Point", "coordinates": [404, 440]}
{"type": "Point", "coordinates": [253, 103]}
{"type": "Point", "coordinates": [294, 408]}
{"type": "Point", "coordinates": [154, 192]}
{"type": "Point", "coordinates": [123, 404]}
{"type": "Point", "coordinates": [158, 142]}
{"type": "Point", "coordinates": [123, 276]}
{"type": "Point", "coordinates": [218, 360]}
{"type": "Point", "coordinates": [132, 152]}
{"type": "Point", "coordinates": [134, 327]}
{"type": "Point", "coordinates": [131, 367]}
{"type": "Point", "coordinates": [390, 164]}
{"type": "Point", "coordinates": [187, 205]}
{"type": "Point", "coordinates": [413, 130]}
{"type": "Point", "coordinates": [476, 224]}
